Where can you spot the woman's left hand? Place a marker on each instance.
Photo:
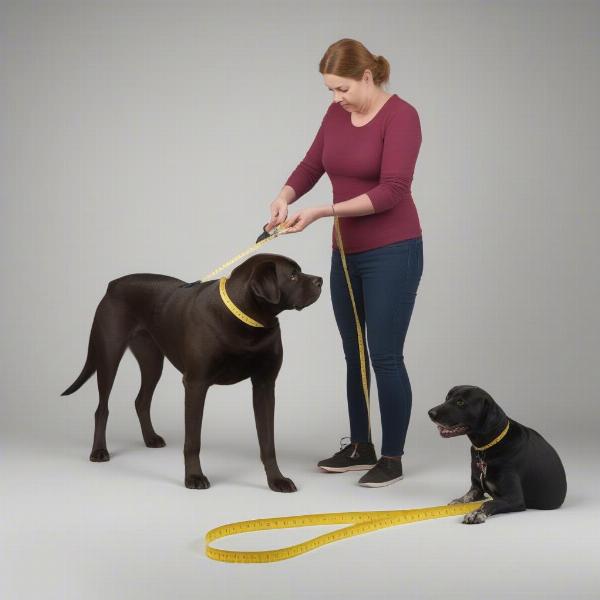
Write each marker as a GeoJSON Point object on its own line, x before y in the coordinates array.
{"type": "Point", "coordinates": [303, 218]}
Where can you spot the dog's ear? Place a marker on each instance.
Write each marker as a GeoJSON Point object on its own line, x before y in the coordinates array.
{"type": "Point", "coordinates": [491, 414]}
{"type": "Point", "coordinates": [264, 284]}
{"type": "Point", "coordinates": [451, 391]}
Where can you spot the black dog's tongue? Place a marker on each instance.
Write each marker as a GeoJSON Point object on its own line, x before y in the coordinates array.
{"type": "Point", "coordinates": [451, 431]}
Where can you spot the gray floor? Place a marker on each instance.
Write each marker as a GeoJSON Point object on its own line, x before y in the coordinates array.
{"type": "Point", "coordinates": [129, 528]}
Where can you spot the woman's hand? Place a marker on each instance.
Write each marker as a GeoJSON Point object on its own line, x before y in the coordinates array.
{"type": "Point", "coordinates": [305, 217]}
{"type": "Point", "coordinates": [279, 212]}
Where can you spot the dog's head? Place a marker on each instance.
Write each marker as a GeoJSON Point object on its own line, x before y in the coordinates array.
{"type": "Point", "coordinates": [278, 282]}
{"type": "Point", "coordinates": [467, 410]}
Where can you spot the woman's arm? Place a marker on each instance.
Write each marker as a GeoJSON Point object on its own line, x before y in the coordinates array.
{"type": "Point", "coordinates": [303, 178]}
{"type": "Point", "coordinates": [400, 150]}
{"type": "Point", "coordinates": [287, 193]}
{"type": "Point", "coordinates": [309, 171]}
{"type": "Point", "coordinates": [401, 146]}
{"type": "Point", "coordinates": [355, 207]}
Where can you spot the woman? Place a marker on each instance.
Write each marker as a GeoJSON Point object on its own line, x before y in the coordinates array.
{"type": "Point", "coordinates": [368, 144]}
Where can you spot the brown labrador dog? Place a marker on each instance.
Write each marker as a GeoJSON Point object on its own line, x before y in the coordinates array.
{"type": "Point", "coordinates": [157, 316]}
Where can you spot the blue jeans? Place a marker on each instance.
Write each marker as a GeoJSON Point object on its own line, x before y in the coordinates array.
{"type": "Point", "coordinates": [384, 282]}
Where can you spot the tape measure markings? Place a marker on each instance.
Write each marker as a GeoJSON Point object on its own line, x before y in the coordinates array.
{"type": "Point", "coordinates": [277, 231]}
{"type": "Point", "coordinates": [361, 522]}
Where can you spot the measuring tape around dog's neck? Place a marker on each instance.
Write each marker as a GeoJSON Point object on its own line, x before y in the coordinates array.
{"type": "Point", "coordinates": [360, 522]}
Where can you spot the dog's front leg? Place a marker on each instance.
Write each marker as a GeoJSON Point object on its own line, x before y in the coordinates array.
{"type": "Point", "coordinates": [195, 395]}
{"type": "Point", "coordinates": [474, 494]}
{"type": "Point", "coordinates": [507, 496]}
{"type": "Point", "coordinates": [263, 401]}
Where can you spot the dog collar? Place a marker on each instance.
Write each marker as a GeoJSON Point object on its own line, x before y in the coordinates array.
{"type": "Point", "coordinates": [495, 440]}
{"type": "Point", "coordinates": [233, 308]}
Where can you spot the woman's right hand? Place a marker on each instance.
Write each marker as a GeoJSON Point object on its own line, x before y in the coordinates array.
{"type": "Point", "coordinates": [279, 212]}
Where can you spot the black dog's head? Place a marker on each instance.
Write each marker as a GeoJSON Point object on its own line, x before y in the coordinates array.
{"type": "Point", "coordinates": [278, 282]}
{"type": "Point", "coordinates": [467, 410]}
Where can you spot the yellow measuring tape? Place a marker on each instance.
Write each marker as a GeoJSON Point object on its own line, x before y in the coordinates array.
{"type": "Point", "coordinates": [275, 233]}
{"type": "Point", "coordinates": [360, 522]}
{"type": "Point", "coordinates": [233, 308]}
{"type": "Point", "coordinates": [359, 333]}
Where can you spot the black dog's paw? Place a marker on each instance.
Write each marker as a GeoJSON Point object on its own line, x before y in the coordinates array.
{"type": "Point", "coordinates": [470, 496]}
{"type": "Point", "coordinates": [282, 484]}
{"type": "Point", "coordinates": [463, 499]}
{"type": "Point", "coordinates": [100, 455]}
{"type": "Point", "coordinates": [456, 501]}
{"type": "Point", "coordinates": [156, 442]}
{"type": "Point", "coordinates": [475, 517]}
{"type": "Point", "coordinates": [197, 482]}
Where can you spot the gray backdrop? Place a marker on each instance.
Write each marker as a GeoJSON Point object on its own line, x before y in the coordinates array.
{"type": "Point", "coordinates": [151, 137]}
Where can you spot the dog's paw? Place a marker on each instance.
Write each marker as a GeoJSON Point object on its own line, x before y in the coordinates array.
{"type": "Point", "coordinates": [100, 455]}
{"type": "Point", "coordinates": [457, 501]}
{"type": "Point", "coordinates": [155, 442]}
{"type": "Point", "coordinates": [475, 517]}
{"type": "Point", "coordinates": [282, 484]}
{"type": "Point", "coordinates": [472, 495]}
{"type": "Point", "coordinates": [197, 482]}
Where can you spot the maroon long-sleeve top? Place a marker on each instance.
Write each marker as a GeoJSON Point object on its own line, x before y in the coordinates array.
{"type": "Point", "coordinates": [377, 159]}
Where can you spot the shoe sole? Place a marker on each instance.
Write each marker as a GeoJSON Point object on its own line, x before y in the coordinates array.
{"type": "Point", "coordinates": [382, 484]}
{"type": "Point", "coordinates": [344, 469]}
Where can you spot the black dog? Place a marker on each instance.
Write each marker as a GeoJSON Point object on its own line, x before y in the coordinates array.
{"type": "Point", "coordinates": [514, 464]}
{"type": "Point", "coordinates": [156, 316]}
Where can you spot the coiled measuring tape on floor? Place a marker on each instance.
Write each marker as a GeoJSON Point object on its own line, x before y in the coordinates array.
{"type": "Point", "coordinates": [361, 522]}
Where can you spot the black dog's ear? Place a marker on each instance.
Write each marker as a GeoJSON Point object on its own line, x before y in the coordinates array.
{"type": "Point", "coordinates": [452, 390]}
{"type": "Point", "coordinates": [491, 415]}
{"type": "Point", "coordinates": [264, 283]}
{"type": "Point", "coordinates": [460, 388]}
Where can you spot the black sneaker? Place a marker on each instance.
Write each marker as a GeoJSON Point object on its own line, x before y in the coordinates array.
{"type": "Point", "coordinates": [385, 472]}
{"type": "Point", "coordinates": [358, 456]}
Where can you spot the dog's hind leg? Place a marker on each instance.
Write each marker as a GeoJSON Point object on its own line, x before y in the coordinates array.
{"type": "Point", "coordinates": [111, 329]}
{"type": "Point", "coordinates": [150, 359]}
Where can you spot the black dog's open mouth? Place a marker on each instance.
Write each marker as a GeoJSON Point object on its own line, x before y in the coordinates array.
{"type": "Point", "coordinates": [452, 431]}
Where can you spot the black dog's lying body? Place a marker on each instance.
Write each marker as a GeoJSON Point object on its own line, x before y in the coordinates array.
{"type": "Point", "coordinates": [519, 470]}
{"type": "Point", "coordinates": [156, 316]}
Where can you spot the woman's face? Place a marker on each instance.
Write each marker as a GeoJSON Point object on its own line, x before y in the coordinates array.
{"type": "Point", "coordinates": [349, 93]}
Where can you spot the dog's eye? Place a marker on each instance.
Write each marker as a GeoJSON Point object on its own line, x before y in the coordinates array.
{"type": "Point", "coordinates": [294, 276]}
{"type": "Point", "coordinates": [460, 403]}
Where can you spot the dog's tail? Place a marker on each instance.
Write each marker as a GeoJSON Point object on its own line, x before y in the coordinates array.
{"type": "Point", "coordinates": [88, 370]}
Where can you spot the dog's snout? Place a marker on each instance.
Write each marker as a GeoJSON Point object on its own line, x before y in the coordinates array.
{"type": "Point", "coordinates": [318, 281]}
{"type": "Point", "coordinates": [432, 414]}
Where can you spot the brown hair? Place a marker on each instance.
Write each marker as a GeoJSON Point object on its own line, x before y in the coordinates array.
{"type": "Point", "coordinates": [349, 58]}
